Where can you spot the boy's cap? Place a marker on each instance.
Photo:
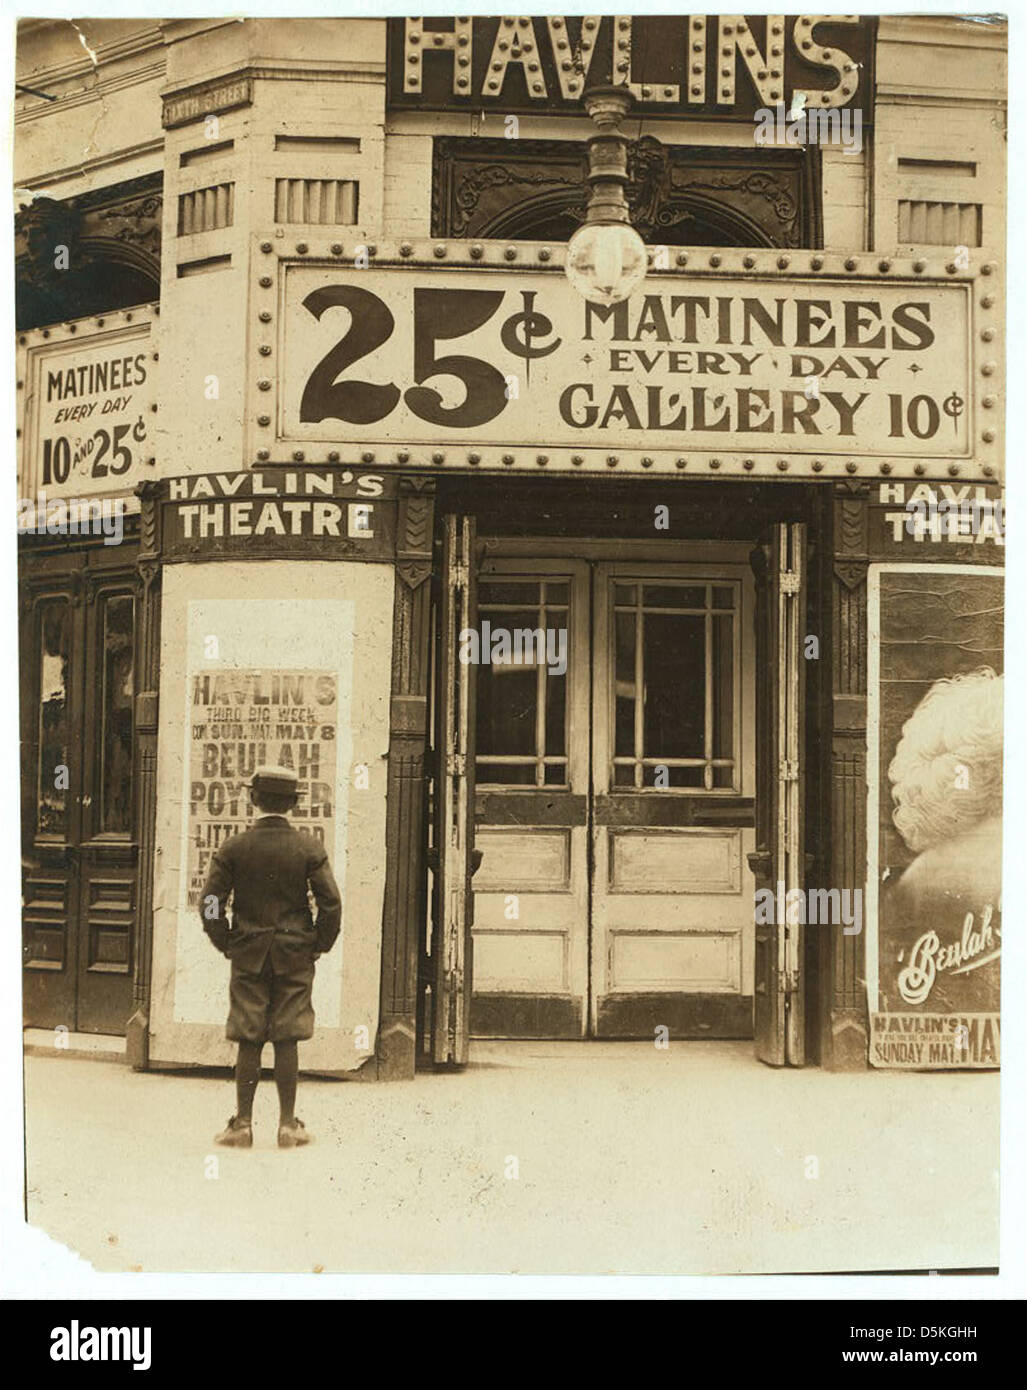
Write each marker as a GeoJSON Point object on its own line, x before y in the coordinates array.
{"type": "Point", "coordinates": [281, 780]}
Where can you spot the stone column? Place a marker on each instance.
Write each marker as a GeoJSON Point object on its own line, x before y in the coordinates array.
{"type": "Point", "coordinates": [403, 926]}
{"type": "Point", "coordinates": [844, 1045]}
{"type": "Point", "coordinates": [146, 712]}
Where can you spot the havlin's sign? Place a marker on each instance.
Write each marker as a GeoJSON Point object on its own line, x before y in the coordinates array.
{"type": "Point", "coordinates": [421, 361]}
{"type": "Point", "coordinates": [330, 514]}
{"type": "Point", "coordinates": [709, 65]}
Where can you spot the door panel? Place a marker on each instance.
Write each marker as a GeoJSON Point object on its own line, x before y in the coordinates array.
{"type": "Point", "coordinates": [655, 860]}
{"type": "Point", "coordinates": [620, 899]}
{"type": "Point", "coordinates": [531, 891]}
{"type": "Point", "coordinates": [106, 853]}
{"type": "Point", "coordinates": [674, 779]}
{"type": "Point", "coordinates": [78, 846]}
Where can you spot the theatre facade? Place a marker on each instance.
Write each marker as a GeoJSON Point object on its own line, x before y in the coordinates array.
{"type": "Point", "coordinates": [640, 663]}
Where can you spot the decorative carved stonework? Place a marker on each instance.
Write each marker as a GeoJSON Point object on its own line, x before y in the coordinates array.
{"type": "Point", "coordinates": [414, 535]}
{"type": "Point", "coordinates": [136, 223]}
{"type": "Point", "coordinates": [851, 574]}
{"type": "Point", "coordinates": [536, 189]}
{"type": "Point", "coordinates": [417, 522]}
{"type": "Point", "coordinates": [149, 491]}
{"type": "Point", "coordinates": [470, 203]}
{"type": "Point", "coordinates": [851, 530]}
{"type": "Point", "coordinates": [414, 574]}
{"type": "Point", "coordinates": [112, 241]}
{"type": "Point", "coordinates": [851, 518]}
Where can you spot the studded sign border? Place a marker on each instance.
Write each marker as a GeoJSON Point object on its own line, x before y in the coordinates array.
{"type": "Point", "coordinates": [272, 253]}
{"type": "Point", "coordinates": [87, 331]}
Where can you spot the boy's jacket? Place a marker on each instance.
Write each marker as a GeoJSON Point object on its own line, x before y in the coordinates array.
{"type": "Point", "coordinates": [267, 869]}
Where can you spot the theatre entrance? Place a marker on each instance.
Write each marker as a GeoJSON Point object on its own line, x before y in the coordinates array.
{"type": "Point", "coordinates": [614, 803]}
{"type": "Point", "coordinates": [619, 743]}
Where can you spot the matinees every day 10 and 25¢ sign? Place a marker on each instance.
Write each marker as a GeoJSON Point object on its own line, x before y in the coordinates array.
{"type": "Point", "coordinates": [88, 397]}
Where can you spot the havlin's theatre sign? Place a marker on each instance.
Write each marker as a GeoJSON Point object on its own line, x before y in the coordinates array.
{"type": "Point", "coordinates": [714, 65]}
{"type": "Point", "coordinates": [734, 361]}
{"type": "Point", "coordinates": [326, 515]}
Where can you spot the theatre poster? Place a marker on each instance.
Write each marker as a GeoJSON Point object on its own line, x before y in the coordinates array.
{"type": "Point", "coordinates": [934, 829]}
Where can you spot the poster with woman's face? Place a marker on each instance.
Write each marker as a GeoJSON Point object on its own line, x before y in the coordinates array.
{"type": "Point", "coordinates": [935, 827]}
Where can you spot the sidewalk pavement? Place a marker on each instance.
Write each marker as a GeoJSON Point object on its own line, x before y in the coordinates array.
{"type": "Point", "coordinates": [539, 1158]}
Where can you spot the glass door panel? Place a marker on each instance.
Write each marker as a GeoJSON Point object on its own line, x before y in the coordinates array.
{"type": "Point", "coordinates": [531, 891]}
{"type": "Point", "coordinates": [673, 801]}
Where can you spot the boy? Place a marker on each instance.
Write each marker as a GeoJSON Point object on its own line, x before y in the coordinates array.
{"type": "Point", "coordinates": [272, 944]}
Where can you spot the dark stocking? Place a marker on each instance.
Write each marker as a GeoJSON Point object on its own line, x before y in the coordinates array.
{"type": "Point", "coordinates": [287, 1067]}
{"type": "Point", "coordinates": [247, 1074]}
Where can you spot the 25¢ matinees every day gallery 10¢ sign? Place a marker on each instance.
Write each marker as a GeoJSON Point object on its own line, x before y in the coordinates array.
{"type": "Point", "coordinates": [465, 366]}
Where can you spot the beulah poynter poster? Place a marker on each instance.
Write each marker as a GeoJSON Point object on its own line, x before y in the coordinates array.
{"type": "Point", "coordinates": [241, 720]}
{"type": "Point", "coordinates": [935, 815]}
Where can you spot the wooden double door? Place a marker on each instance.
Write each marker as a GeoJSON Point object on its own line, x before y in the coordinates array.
{"type": "Point", "coordinates": [615, 793]}
{"type": "Point", "coordinates": [78, 649]}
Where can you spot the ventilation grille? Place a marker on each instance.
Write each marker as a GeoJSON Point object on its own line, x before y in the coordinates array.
{"type": "Point", "coordinates": [206, 209]}
{"type": "Point", "coordinates": [939, 224]}
{"type": "Point", "coordinates": [318, 201]}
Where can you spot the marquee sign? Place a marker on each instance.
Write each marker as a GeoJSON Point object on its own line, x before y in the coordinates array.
{"type": "Point", "coordinates": [87, 393]}
{"type": "Point", "coordinates": [674, 65]}
{"type": "Point", "coordinates": [754, 362]}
